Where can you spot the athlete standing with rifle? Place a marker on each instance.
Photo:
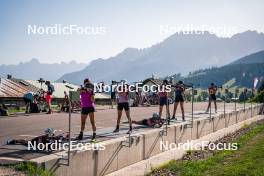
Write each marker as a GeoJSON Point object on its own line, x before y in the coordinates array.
{"type": "Point", "coordinates": [123, 103]}
{"type": "Point", "coordinates": [88, 107]}
{"type": "Point", "coordinates": [163, 99]}
{"type": "Point", "coordinates": [212, 96]}
{"type": "Point", "coordinates": [49, 95]}
{"type": "Point", "coordinates": [179, 98]}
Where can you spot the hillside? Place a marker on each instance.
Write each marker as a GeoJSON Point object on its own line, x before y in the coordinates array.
{"type": "Point", "coordinates": [177, 54]}
{"type": "Point", "coordinates": [252, 58]}
{"type": "Point", "coordinates": [241, 72]}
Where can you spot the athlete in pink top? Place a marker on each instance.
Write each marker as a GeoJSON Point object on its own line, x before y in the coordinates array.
{"type": "Point", "coordinates": [86, 99]}
{"type": "Point", "coordinates": [87, 104]}
{"type": "Point", "coordinates": [162, 94]}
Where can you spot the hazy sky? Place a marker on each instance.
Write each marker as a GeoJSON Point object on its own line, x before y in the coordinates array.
{"type": "Point", "coordinates": [127, 23]}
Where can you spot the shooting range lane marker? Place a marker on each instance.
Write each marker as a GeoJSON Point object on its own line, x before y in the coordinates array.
{"type": "Point", "coordinates": [12, 159]}
{"type": "Point", "coordinates": [27, 135]}
{"type": "Point", "coordinates": [97, 123]}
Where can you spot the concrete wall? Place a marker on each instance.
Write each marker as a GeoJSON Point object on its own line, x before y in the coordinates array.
{"type": "Point", "coordinates": [119, 153]}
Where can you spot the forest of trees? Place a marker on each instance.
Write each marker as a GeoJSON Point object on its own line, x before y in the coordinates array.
{"type": "Point", "coordinates": [244, 75]}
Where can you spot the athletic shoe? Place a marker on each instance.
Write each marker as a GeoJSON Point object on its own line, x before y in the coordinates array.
{"type": "Point", "coordinates": [93, 138]}
{"type": "Point", "coordinates": [129, 131]}
{"type": "Point", "coordinates": [116, 130]}
{"type": "Point", "coordinates": [173, 118]}
{"type": "Point", "coordinates": [80, 136]}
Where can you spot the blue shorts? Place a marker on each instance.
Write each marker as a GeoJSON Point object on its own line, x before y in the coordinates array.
{"type": "Point", "coordinates": [163, 101]}
{"type": "Point", "coordinates": [212, 97]}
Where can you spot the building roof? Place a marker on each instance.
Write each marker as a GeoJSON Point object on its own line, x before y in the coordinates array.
{"type": "Point", "coordinates": [17, 88]}
{"type": "Point", "coordinates": [153, 81]}
{"type": "Point", "coordinates": [24, 83]}
{"type": "Point", "coordinates": [61, 87]}
{"type": "Point", "coordinates": [102, 96]}
{"type": "Point", "coordinates": [10, 88]}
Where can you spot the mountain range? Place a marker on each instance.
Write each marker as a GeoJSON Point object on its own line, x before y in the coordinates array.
{"type": "Point", "coordinates": [179, 53]}
{"type": "Point", "coordinates": [35, 70]}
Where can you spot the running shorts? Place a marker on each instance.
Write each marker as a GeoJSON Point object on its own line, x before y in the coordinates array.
{"type": "Point", "coordinates": [122, 106]}
{"type": "Point", "coordinates": [48, 98]}
{"type": "Point", "coordinates": [163, 101]}
{"type": "Point", "coordinates": [87, 110]}
{"type": "Point", "coordinates": [212, 97]}
{"type": "Point", "coordinates": [179, 98]}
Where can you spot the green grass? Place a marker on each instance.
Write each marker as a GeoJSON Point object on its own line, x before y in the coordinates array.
{"type": "Point", "coordinates": [14, 110]}
{"type": "Point", "coordinates": [31, 169]}
{"type": "Point", "coordinates": [230, 83]}
{"type": "Point", "coordinates": [247, 160]}
{"type": "Point", "coordinates": [259, 97]}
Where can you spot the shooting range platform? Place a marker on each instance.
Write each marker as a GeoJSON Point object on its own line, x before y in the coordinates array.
{"type": "Point", "coordinates": [122, 150]}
